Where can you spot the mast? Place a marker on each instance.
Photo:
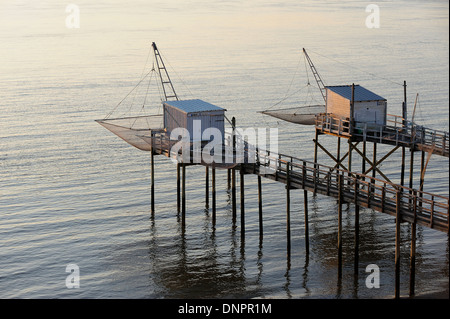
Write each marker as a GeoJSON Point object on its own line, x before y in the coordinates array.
{"type": "Point", "coordinates": [316, 76]}
{"type": "Point", "coordinates": [166, 83]}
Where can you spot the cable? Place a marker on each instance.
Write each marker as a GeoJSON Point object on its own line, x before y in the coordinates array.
{"type": "Point", "coordinates": [352, 66]}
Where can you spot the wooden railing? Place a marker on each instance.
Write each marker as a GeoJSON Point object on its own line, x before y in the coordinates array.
{"type": "Point", "coordinates": [430, 210]}
{"type": "Point", "coordinates": [397, 132]}
{"type": "Point", "coordinates": [415, 206]}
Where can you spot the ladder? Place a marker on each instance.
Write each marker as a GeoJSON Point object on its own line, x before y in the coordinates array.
{"type": "Point", "coordinates": [166, 83]}
{"type": "Point", "coordinates": [316, 76]}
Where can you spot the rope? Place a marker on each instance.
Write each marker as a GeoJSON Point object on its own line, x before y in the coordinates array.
{"type": "Point", "coordinates": [109, 114]}
{"type": "Point", "coordinates": [352, 66]}
{"type": "Point", "coordinates": [176, 74]}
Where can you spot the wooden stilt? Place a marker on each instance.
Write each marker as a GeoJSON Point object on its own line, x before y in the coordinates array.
{"type": "Point", "coordinates": [288, 209]}
{"type": "Point", "coordinates": [183, 196]}
{"type": "Point", "coordinates": [338, 157]}
{"type": "Point", "coordinates": [402, 172]}
{"type": "Point", "coordinates": [207, 188]}
{"type": "Point", "coordinates": [356, 190]}
{"type": "Point", "coordinates": [364, 157]}
{"type": "Point", "coordinates": [316, 141]}
{"type": "Point", "coordinates": [213, 181]}
{"type": "Point", "coordinates": [233, 175]}
{"type": "Point", "coordinates": [241, 179]}
{"type": "Point", "coordinates": [260, 207]}
{"type": "Point", "coordinates": [397, 245]}
{"type": "Point", "coordinates": [178, 189]}
{"type": "Point", "coordinates": [229, 178]}
{"type": "Point", "coordinates": [340, 198]}
{"type": "Point", "coordinates": [412, 261]}
{"type": "Point", "coordinates": [411, 173]}
{"type": "Point", "coordinates": [349, 165]}
{"type": "Point", "coordinates": [374, 161]}
{"type": "Point", "coordinates": [233, 195]}
{"type": "Point", "coordinates": [152, 166]}
{"type": "Point", "coordinates": [422, 173]}
{"type": "Point", "coordinates": [305, 208]}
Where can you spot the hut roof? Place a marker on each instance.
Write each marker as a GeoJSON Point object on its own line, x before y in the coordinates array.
{"type": "Point", "coordinates": [361, 94]}
{"type": "Point", "coordinates": [195, 105]}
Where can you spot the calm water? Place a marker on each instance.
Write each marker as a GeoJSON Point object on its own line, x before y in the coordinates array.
{"type": "Point", "coordinates": [71, 192]}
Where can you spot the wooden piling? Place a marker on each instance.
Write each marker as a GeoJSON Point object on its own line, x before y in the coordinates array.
{"type": "Point", "coordinates": [316, 141]}
{"type": "Point", "coordinates": [402, 171]}
{"type": "Point", "coordinates": [213, 182]}
{"type": "Point", "coordinates": [178, 189]}
{"type": "Point", "coordinates": [374, 160]}
{"type": "Point", "coordinates": [183, 196]}
{"type": "Point", "coordinates": [207, 187]}
{"type": "Point", "coordinates": [340, 198]}
{"type": "Point", "coordinates": [260, 211]}
{"type": "Point", "coordinates": [363, 168]}
{"type": "Point", "coordinates": [152, 168]}
{"type": "Point", "coordinates": [412, 261]}
{"type": "Point", "coordinates": [411, 169]}
{"type": "Point", "coordinates": [397, 245]}
{"type": "Point", "coordinates": [356, 190]}
{"type": "Point", "coordinates": [288, 209]}
{"type": "Point", "coordinates": [349, 160]}
{"type": "Point", "coordinates": [241, 179]}
{"type": "Point", "coordinates": [422, 173]}
{"type": "Point", "coordinates": [305, 208]}
{"type": "Point", "coordinates": [338, 157]}
{"type": "Point", "coordinates": [233, 174]}
{"type": "Point", "coordinates": [233, 195]}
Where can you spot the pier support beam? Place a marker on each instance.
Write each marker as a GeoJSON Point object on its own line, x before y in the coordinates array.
{"type": "Point", "coordinates": [288, 209]}
{"type": "Point", "coordinates": [305, 208]}
{"type": "Point", "coordinates": [402, 172]}
{"type": "Point", "coordinates": [412, 261]}
{"type": "Point", "coordinates": [152, 167]}
{"type": "Point", "coordinates": [241, 171]}
{"type": "Point", "coordinates": [233, 195]}
{"type": "Point", "coordinates": [213, 181]}
{"type": "Point", "coordinates": [356, 190]}
{"type": "Point", "coordinates": [340, 199]}
{"type": "Point", "coordinates": [316, 142]}
{"type": "Point", "coordinates": [178, 189]}
{"type": "Point", "coordinates": [207, 188]}
{"type": "Point", "coordinates": [183, 196]}
{"type": "Point", "coordinates": [260, 207]}
{"type": "Point", "coordinates": [233, 174]}
{"type": "Point", "coordinates": [397, 245]}
{"type": "Point", "coordinates": [374, 161]}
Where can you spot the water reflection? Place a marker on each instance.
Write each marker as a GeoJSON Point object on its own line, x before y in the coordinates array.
{"type": "Point", "coordinates": [197, 268]}
{"type": "Point", "coordinates": [206, 260]}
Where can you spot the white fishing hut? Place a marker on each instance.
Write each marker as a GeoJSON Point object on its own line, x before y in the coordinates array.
{"type": "Point", "coordinates": [369, 108]}
{"type": "Point", "coordinates": [184, 113]}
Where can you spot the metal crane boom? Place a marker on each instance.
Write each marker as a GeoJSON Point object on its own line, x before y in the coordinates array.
{"type": "Point", "coordinates": [316, 76]}
{"type": "Point", "coordinates": [164, 76]}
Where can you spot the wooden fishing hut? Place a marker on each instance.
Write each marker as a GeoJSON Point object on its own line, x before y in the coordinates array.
{"type": "Point", "coordinates": [195, 116]}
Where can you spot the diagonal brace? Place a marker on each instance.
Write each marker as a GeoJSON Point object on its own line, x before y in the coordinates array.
{"type": "Point", "coordinates": [369, 162]}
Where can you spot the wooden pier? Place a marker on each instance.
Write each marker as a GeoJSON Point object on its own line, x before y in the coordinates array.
{"type": "Point", "coordinates": [405, 204]}
{"type": "Point", "coordinates": [412, 205]}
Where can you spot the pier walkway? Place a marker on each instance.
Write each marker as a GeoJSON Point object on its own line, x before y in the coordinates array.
{"type": "Point", "coordinates": [397, 132]}
{"type": "Point", "coordinates": [411, 205]}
